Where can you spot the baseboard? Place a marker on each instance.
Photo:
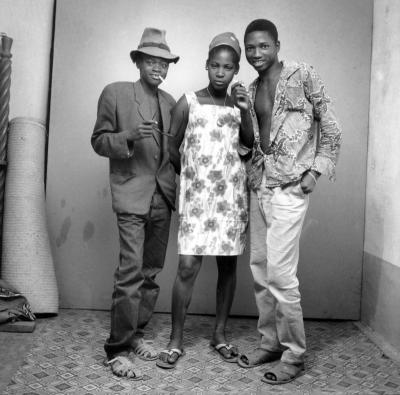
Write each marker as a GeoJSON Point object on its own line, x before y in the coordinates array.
{"type": "Point", "coordinates": [379, 341]}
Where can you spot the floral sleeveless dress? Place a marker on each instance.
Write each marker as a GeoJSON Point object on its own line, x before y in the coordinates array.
{"type": "Point", "coordinates": [213, 195]}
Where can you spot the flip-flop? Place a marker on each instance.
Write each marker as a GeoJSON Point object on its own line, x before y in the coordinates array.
{"type": "Point", "coordinates": [284, 373]}
{"type": "Point", "coordinates": [124, 369]}
{"type": "Point", "coordinates": [229, 347]}
{"type": "Point", "coordinates": [169, 365]}
{"type": "Point", "coordinates": [258, 357]}
{"type": "Point", "coordinates": [144, 350]}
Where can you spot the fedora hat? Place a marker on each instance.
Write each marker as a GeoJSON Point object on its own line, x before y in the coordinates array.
{"type": "Point", "coordinates": [153, 43]}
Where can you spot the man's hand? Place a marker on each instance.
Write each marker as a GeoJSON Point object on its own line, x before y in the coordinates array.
{"type": "Point", "coordinates": [144, 130]}
{"type": "Point", "coordinates": [240, 96]}
{"type": "Point", "coordinates": [309, 180]}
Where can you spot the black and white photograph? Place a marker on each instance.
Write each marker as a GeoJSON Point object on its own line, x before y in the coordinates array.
{"type": "Point", "coordinates": [199, 197]}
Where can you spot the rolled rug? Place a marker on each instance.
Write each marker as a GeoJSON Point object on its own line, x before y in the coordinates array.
{"type": "Point", "coordinates": [27, 262]}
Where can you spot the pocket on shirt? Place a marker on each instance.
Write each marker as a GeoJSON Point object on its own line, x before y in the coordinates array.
{"type": "Point", "coordinates": [295, 99]}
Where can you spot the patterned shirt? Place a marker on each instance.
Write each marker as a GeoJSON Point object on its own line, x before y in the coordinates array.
{"type": "Point", "coordinates": [296, 142]}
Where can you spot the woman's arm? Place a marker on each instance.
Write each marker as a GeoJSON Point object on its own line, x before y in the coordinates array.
{"type": "Point", "coordinates": [179, 120]}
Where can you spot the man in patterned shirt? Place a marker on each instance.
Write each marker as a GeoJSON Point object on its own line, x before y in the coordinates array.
{"type": "Point", "coordinates": [279, 115]}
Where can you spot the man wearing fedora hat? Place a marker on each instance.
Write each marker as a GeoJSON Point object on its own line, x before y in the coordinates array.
{"type": "Point", "coordinates": [129, 130]}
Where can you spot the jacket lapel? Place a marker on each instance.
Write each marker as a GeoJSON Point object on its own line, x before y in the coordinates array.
{"type": "Point", "coordinates": [165, 109]}
{"type": "Point", "coordinates": [143, 107]}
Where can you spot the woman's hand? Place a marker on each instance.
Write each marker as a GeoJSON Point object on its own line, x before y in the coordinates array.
{"type": "Point", "coordinates": [240, 96]}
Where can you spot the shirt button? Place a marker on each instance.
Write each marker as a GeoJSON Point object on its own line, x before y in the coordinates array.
{"type": "Point", "coordinates": [155, 156]}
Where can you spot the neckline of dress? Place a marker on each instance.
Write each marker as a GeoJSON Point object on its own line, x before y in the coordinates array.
{"type": "Point", "coordinates": [211, 104]}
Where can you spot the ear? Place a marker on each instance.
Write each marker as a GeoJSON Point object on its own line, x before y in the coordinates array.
{"type": "Point", "coordinates": [207, 64]}
{"type": "Point", "coordinates": [278, 45]}
{"type": "Point", "coordinates": [237, 68]}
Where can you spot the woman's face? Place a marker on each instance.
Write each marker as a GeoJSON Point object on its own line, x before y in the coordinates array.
{"type": "Point", "coordinates": [221, 68]}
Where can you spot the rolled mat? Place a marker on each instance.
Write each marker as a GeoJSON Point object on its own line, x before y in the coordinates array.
{"type": "Point", "coordinates": [27, 262]}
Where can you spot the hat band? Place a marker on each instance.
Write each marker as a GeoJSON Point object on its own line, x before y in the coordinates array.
{"type": "Point", "coordinates": [158, 45]}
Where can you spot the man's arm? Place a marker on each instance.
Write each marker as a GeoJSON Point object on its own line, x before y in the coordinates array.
{"type": "Point", "coordinates": [106, 140]}
{"type": "Point", "coordinates": [179, 120]}
{"type": "Point", "coordinates": [330, 137]}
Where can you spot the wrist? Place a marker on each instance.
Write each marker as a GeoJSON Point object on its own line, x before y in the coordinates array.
{"type": "Point", "coordinates": [314, 174]}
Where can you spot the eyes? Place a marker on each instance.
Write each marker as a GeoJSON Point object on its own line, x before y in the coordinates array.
{"type": "Point", "coordinates": [215, 66]}
{"type": "Point", "coordinates": [153, 62]}
{"type": "Point", "coordinates": [263, 46]}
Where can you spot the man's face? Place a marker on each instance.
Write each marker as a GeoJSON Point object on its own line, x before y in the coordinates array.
{"type": "Point", "coordinates": [261, 50]}
{"type": "Point", "coordinates": [151, 68]}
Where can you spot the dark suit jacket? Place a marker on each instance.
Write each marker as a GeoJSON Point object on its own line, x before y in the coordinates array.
{"type": "Point", "coordinates": [135, 169]}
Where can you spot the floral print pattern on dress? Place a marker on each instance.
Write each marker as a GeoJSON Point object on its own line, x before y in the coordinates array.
{"type": "Point", "coordinates": [213, 195]}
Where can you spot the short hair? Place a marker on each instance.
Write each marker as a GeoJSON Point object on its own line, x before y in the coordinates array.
{"type": "Point", "coordinates": [263, 25]}
{"type": "Point", "coordinates": [235, 56]}
{"type": "Point", "coordinates": [138, 58]}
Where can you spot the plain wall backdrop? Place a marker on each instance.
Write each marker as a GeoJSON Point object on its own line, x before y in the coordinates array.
{"type": "Point", "coordinates": [29, 23]}
{"type": "Point", "coordinates": [93, 39]}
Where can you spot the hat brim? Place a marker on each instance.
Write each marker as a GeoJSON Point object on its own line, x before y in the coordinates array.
{"type": "Point", "coordinates": [154, 51]}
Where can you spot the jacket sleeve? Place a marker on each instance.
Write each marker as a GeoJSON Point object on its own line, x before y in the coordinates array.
{"type": "Point", "coordinates": [330, 132]}
{"type": "Point", "coordinates": [106, 139]}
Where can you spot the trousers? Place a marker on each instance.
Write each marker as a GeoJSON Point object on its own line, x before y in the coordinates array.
{"type": "Point", "coordinates": [276, 219]}
{"type": "Point", "coordinates": [143, 244]}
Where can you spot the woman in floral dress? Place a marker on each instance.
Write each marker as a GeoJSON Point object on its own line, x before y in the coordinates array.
{"type": "Point", "coordinates": [213, 196]}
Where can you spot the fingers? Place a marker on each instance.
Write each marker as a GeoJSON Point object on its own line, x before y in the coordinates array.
{"type": "Point", "coordinates": [236, 84]}
{"type": "Point", "coordinates": [146, 128]}
{"type": "Point", "coordinates": [240, 95]}
{"type": "Point", "coordinates": [307, 183]}
{"type": "Point", "coordinates": [150, 122]}
{"type": "Point", "coordinates": [239, 90]}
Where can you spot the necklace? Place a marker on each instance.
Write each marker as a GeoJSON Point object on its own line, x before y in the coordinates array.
{"type": "Point", "coordinates": [212, 98]}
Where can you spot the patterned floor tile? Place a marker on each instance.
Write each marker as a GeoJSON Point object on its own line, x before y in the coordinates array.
{"type": "Point", "coordinates": [67, 358]}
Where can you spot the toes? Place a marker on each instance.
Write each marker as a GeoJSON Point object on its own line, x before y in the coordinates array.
{"type": "Point", "coordinates": [234, 352]}
{"type": "Point", "coordinates": [244, 359]}
{"type": "Point", "coordinates": [270, 376]}
{"type": "Point", "coordinates": [227, 353]}
{"type": "Point", "coordinates": [118, 372]}
{"type": "Point", "coordinates": [172, 358]}
{"type": "Point", "coordinates": [163, 357]}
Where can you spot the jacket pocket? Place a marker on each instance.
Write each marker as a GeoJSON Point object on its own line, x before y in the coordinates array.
{"type": "Point", "coordinates": [121, 178]}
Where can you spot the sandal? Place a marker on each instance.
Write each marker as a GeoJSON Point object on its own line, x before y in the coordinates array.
{"type": "Point", "coordinates": [233, 352]}
{"type": "Point", "coordinates": [165, 363]}
{"type": "Point", "coordinates": [283, 373]}
{"type": "Point", "coordinates": [258, 357]}
{"type": "Point", "coordinates": [144, 350]}
{"type": "Point", "coordinates": [122, 366]}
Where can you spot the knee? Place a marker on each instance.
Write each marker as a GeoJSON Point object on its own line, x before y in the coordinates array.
{"type": "Point", "coordinates": [188, 269]}
{"type": "Point", "coordinates": [282, 281]}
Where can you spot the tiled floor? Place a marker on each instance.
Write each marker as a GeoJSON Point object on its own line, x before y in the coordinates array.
{"type": "Point", "coordinates": [66, 354]}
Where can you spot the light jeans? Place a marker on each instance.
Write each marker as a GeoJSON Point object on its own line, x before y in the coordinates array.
{"type": "Point", "coordinates": [276, 218]}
